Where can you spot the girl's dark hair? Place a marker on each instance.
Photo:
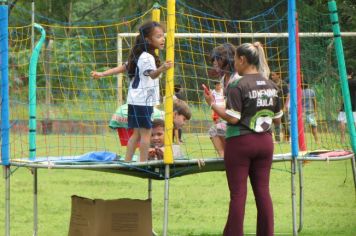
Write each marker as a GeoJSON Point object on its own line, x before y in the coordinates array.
{"type": "Point", "coordinates": [225, 53]}
{"type": "Point", "coordinates": [255, 56]}
{"type": "Point", "coordinates": [142, 45]}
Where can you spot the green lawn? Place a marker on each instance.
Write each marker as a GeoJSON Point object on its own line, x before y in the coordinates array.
{"type": "Point", "coordinates": [89, 110]}
{"type": "Point", "coordinates": [198, 203]}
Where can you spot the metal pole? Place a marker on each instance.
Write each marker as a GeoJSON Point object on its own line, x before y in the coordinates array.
{"type": "Point", "coordinates": [343, 75]}
{"type": "Point", "coordinates": [168, 137]}
{"type": "Point", "coordinates": [301, 134]}
{"type": "Point", "coordinates": [293, 76]}
{"type": "Point", "coordinates": [32, 92]}
{"type": "Point", "coordinates": [353, 166]}
{"type": "Point", "coordinates": [150, 189]}
{"type": "Point", "coordinates": [168, 152]}
{"type": "Point", "coordinates": [294, 207]}
{"type": "Point", "coordinates": [7, 174]}
{"type": "Point", "coordinates": [293, 101]}
{"type": "Point", "coordinates": [4, 75]}
{"type": "Point", "coordinates": [301, 195]}
{"type": "Point", "coordinates": [35, 201]}
{"type": "Point", "coordinates": [342, 71]}
{"type": "Point", "coordinates": [5, 122]}
{"type": "Point", "coordinates": [47, 68]}
{"type": "Point", "coordinates": [166, 199]}
{"type": "Point", "coordinates": [33, 24]}
{"type": "Point", "coordinates": [150, 197]}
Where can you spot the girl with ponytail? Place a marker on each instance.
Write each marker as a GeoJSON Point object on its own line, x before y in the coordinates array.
{"type": "Point", "coordinates": [144, 69]}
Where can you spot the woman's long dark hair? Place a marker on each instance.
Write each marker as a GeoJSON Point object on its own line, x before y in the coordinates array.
{"type": "Point", "coordinates": [225, 53]}
{"type": "Point", "coordinates": [142, 45]}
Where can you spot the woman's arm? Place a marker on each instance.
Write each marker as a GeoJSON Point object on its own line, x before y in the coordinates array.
{"type": "Point", "coordinates": [221, 111]}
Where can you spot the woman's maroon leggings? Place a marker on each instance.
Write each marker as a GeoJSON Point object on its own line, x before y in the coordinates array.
{"type": "Point", "coordinates": [249, 155]}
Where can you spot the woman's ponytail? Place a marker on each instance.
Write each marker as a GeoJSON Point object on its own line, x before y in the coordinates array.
{"type": "Point", "coordinates": [255, 55]}
{"type": "Point", "coordinates": [262, 66]}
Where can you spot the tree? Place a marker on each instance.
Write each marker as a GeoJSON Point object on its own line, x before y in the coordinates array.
{"type": "Point", "coordinates": [103, 12]}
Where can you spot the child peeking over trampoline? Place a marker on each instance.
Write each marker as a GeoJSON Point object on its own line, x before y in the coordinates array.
{"type": "Point", "coordinates": [155, 152]}
{"type": "Point", "coordinates": [181, 113]}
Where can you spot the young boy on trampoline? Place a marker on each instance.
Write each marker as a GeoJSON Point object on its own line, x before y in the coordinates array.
{"type": "Point", "coordinates": [181, 114]}
{"type": "Point", "coordinates": [252, 105]}
{"type": "Point", "coordinates": [155, 152]}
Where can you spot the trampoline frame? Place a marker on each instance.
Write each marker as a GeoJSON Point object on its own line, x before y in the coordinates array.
{"type": "Point", "coordinates": [296, 163]}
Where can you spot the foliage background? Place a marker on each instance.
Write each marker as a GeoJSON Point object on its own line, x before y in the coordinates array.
{"type": "Point", "coordinates": [74, 11]}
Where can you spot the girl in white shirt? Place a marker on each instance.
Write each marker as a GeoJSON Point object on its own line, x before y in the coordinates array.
{"type": "Point", "coordinates": [144, 68]}
{"type": "Point", "coordinates": [219, 99]}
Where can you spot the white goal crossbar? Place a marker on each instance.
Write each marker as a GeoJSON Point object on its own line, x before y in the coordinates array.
{"type": "Point", "coordinates": [247, 35]}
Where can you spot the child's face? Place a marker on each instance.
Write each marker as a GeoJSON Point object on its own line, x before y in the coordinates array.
{"type": "Point", "coordinates": [157, 137]}
{"type": "Point", "coordinates": [275, 77]}
{"type": "Point", "coordinates": [179, 120]}
{"type": "Point", "coordinates": [218, 86]}
{"type": "Point", "coordinates": [217, 64]}
{"type": "Point", "coordinates": [157, 39]}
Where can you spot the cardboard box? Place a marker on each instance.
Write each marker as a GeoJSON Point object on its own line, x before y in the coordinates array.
{"type": "Point", "coordinates": [120, 217]}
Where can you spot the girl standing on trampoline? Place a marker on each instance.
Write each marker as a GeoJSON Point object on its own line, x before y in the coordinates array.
{"type": "Point", "coordinates": [252, 105]}
{"type": "Point", "coordinates": [144, 68]}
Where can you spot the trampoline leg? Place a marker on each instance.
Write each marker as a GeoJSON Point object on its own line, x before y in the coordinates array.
{"type": "Point", "coordinates": [301, 195]}
{"type": "Point", "coordinates": [150, 197]}
{"type": "Point", "coordinates": [294, 213]}
{"type": "Point", "coordinates": [35, 208]}
{"type": "Point", "coordinates": [353, 165]}
{"type": "Point", "coordinates": [150, 189]}
{"type": "Point", "coordinates": [166, 198]}
{"type": "Point", "coordinates": [7, 199]}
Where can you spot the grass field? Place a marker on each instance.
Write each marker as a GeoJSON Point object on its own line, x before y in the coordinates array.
{"type": "Point", "coordinates": [198, 203]}
{"type": "Point", "coordinates": [87, 110]}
